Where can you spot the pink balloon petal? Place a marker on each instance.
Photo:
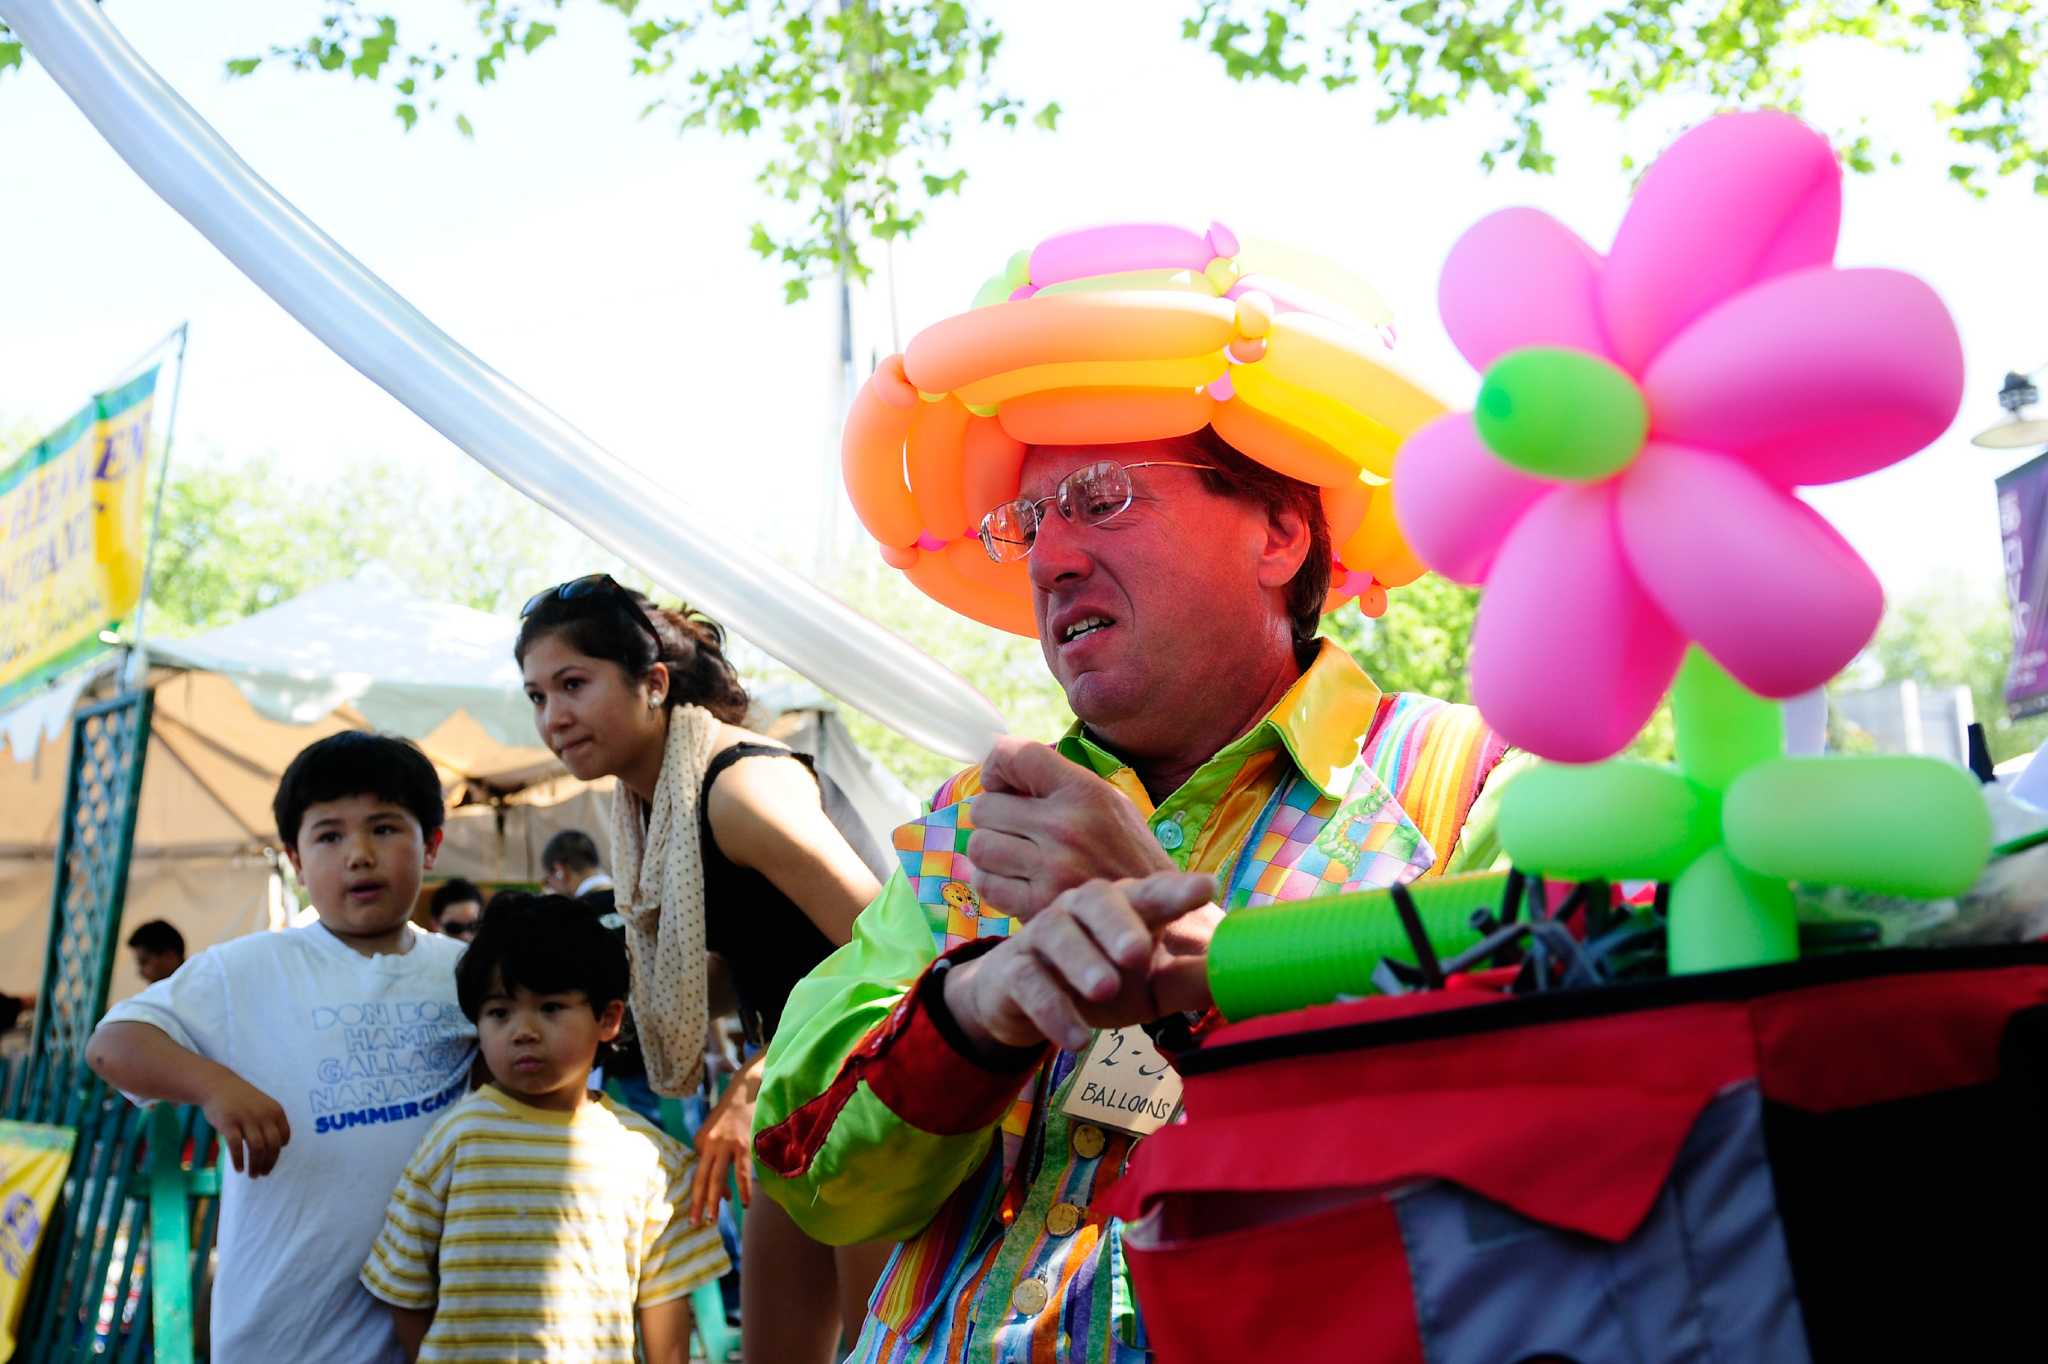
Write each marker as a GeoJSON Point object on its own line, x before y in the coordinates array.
{"type": "Point", "coordinates": [1813, 377]}
{"type": "Point", "coordinates": [1521, 278]}
{"type": "Point", "coordinates": [1751, 572]}
{"type": "Point", "coordinates": [1736, 201]}
{"type": "Point", "coordinates": [1455, 501]}
{"type": "Point", "coordinates": [1569, 658]}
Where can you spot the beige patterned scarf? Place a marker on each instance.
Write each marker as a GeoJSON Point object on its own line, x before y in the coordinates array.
{"type": "Point", "coordinates": [658, 862]}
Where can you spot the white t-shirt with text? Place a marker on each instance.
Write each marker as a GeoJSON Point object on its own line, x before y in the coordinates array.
{"type": "Point", "coordinates": [362, 1053]}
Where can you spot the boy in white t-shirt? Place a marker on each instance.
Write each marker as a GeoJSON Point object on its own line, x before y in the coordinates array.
{"type": "Point", "coordinates": [321, 1055]}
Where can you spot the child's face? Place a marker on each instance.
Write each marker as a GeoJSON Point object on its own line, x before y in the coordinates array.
{"type": "Point", "coordinates": [595, 718]}
{"type": "Point", "coordinates": [541, 1047]}
{"type": "Point", "coordinates": [360, 858]}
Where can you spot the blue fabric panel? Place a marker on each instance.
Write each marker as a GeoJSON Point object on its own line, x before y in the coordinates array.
{"type": "Point", "coordinates": [1704, 1280]}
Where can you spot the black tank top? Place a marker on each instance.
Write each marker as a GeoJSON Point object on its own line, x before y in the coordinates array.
{"type": "Point", "coordinates": [767, 942]}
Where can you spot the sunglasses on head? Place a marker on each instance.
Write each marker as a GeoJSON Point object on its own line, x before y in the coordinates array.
{"type": "Point", "coordinates": [590, 587]}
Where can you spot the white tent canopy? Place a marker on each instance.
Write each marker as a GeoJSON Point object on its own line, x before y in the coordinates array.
{"type": "Point", "coordinates": [234, 705]}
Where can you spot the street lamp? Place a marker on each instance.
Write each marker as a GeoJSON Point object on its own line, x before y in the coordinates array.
{"type": "Point", "coordinates": [2018, 431]}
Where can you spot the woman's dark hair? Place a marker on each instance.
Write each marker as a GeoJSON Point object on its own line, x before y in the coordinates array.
{"type": "Point", "coordinates": [1240, 476]}
{"type": "Point", "coordinates": [600, 624]}
{"type": "Point", "coordinates": [549, 944]}
{"type": "Point", "coordinates": [353, 763]}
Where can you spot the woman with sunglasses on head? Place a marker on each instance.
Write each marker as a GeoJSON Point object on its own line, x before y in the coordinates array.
{"type": "Point", "coordinates": [722, 842]}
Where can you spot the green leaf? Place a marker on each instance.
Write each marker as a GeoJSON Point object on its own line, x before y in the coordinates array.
{"type": "Point", "coordinates": [407, 115]}
{"type": "Point", "coordinates": [1048, 117]}
{"type": "Point", "coordinates": [795, 290]}
{"type": "Point", "coordinates": [536, 34]}
{"type": "Point", "coordinates": [462, 125]}
{"type": "Point", "coordinates": [761, 242]}
{"type": "Point", "coordinates": [239, 66]}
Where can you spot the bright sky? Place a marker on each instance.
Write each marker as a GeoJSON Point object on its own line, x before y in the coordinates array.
{"type": "Point", "coordinates": [601, 262]}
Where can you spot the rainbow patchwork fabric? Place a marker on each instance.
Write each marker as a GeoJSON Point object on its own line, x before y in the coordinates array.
{"type": "Point", "coordinates": [933, 854]}
{"type": "Point", "coordinates": [1310, 844]}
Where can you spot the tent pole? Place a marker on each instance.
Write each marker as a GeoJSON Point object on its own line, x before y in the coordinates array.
{"type": "Point", "coordinates": [138, 662]}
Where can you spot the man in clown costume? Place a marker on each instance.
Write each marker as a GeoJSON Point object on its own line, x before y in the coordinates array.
{"type": "Point", "coordinates": [972, 1072]}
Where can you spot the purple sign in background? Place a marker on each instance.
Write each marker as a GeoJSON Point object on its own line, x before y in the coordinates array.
{"type": "Point", "coordinates": [2023, 530]}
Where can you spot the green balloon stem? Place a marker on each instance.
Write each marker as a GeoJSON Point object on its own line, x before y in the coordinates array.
{"type": "Point", "coordinates": [1268, 959]}
{"type": "Point", "coordinates": [1724, 918]}
{"type": "Point", "coordinates": [1723, 729]}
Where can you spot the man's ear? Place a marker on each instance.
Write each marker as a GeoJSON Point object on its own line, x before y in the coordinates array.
{"type": "Point", "coordinates": [433, 849]}
{"type": "Point", "coordinates": [1286, 549]}
{"type": "Point", "coordinates": [610, 1020]}
{"type": "Point", "coordinates": [292, 855]}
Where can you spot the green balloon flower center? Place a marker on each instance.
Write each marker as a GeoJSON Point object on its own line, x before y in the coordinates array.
{"type": "Point", "coordinates": [1561, 414]}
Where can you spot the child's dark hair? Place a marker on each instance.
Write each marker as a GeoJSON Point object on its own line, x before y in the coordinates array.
{"type": "Point", "coordinates": [354, 763]}
{"type": "Point", "coordinates": [549, 944]}
{"type": "Point", "coordinates": [602, 624]}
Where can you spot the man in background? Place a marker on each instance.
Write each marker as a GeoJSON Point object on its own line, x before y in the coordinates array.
{"type": "Point", "coordinates": [159, 950]}
{"type": "Point", "coordinates": [569, 866]}
{"type": "Point", "coordinates": [456, 907]}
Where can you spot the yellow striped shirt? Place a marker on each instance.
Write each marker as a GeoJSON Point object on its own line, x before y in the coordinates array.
{"type": "Point", "coordinates": [534, 1235]}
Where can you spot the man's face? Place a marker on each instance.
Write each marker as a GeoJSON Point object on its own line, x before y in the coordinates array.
{"type": "Point", "coordinates": [458, 920]}
{"type": "Point", "coordinates": [154, 965]}
{"type": "Point", "coordinates": [560, 880]}
{"type": "Point", "coordinates": [1137, 617]}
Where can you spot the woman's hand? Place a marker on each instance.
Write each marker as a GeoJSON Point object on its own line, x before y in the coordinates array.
{"type": "Point", "coordinates": [726, 1142]}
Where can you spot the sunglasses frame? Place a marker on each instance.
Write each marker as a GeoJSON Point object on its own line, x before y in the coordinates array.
{"type": "Point", "coordinates": [582, 587]}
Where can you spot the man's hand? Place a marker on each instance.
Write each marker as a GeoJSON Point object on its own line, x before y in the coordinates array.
{"type": "Point", "coordinates": [1043, 826]}
{"type": "Point", "coordinates": [251, 1124]}
{"type": "Point", "coordinates": [1103, 955]}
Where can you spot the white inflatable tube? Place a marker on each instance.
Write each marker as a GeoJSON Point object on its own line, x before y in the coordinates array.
{"type": "Point", "coordinates": [363, 321]}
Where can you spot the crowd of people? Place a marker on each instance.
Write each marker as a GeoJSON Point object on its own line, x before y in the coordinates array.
{"type": "Point", "coordinates": [443, 1144]}
{"type": "Point", "coordinates": [417, 1147]}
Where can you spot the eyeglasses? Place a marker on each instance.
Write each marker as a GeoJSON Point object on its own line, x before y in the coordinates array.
{"type": "Point", "coordinates": [592, 585]}
{"type": "Point", "coordinates": [1087, 497]}
{"type": "Point", "coordinates": [461, 928]}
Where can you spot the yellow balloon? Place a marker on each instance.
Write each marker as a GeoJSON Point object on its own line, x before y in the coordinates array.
{"type": "Point", "coordinates": [1325, 356]}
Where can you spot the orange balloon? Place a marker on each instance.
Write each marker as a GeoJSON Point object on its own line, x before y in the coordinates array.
{"type": "Point", "coordinates": [937, 472]}
{"type": "Point", "coordinates": [871, 458]}
{"type": "Point", "coordinates": [994, 594]}
{"type": "Point", "coordinates": [1279, 445]}
{"type": "Point", "coordinates": [1058, 328]}
{"type": "Point", "coordinates": [1104, 416]}
{"type": "Point", "coordinates": [1378, 546]}
{"type": "Point", "coordinates": [895, 389]}
{"type": "Point", "coordinates": [993, 460]}
{"type": "Point", "coordinates": [1344, 508]}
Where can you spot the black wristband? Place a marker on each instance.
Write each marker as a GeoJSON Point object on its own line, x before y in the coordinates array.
{"type": "Point", "coordinates": [998, 1057]}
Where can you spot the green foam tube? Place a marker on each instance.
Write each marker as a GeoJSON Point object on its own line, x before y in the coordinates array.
{"type": "Point", "coordinates": [1268, 959]}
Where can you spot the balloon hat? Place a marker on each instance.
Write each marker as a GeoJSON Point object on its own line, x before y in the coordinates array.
{"type": "Point", "coordinates": [1134, 332]}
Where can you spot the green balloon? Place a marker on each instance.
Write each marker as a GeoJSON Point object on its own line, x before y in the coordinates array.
{"type": "Point", "coordinates": [1561, 413]}
{"type": "Point", "coordinates": [1617, 820]}
{"type": "Point", "coordinates": [1723, 918]}
{"type": "Point", "coordinates": [1268, 959]}
{"type": "Point", "coordinates": [1723, 729]}
{"type": "Point", "coordinates": [1895, 825]}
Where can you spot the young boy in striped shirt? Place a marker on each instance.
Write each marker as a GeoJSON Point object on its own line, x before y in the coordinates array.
{"type": "Point", "coordinates": [537, 1218]}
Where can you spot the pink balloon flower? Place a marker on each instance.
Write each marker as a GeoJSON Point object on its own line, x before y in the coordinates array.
{"type": "Point", "coordinates": [1625, 485]}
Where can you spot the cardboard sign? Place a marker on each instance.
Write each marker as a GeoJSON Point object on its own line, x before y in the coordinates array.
{"type": "Point", "coordinates": [1124, 1083]}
